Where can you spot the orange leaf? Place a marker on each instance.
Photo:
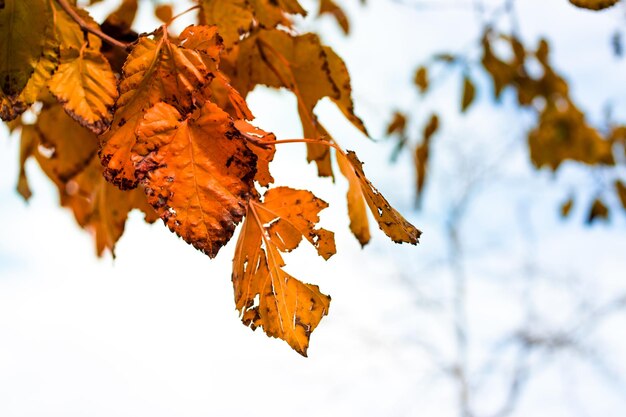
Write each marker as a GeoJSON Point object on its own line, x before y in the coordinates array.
{"type": "Point", "coordinates": [389, 220]}
{"type": "Point", "coordinates": [286, 308]}
{"type": "Point", "coordinates": [156, 70]}
{"type": "Point", "coordinates": [197, 172]}
{"type": "Point", "coordinates": [265, 155]}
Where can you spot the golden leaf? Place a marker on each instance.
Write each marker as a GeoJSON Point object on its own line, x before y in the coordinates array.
{"type": "Point", "coordinates": [357, 209]}
{"type": "Point", "coordinates": [164, 12]}
{"type": "Point", "coordinates": [286, 308]}
{"type": "Point", "coordinates": [264, 155]}
{"type": "Point", "coordinates": [421, 79]}
{"type": "Point", "coordinates": [197, 172]}
{"type": "Point", "coordinates": [28, 54]}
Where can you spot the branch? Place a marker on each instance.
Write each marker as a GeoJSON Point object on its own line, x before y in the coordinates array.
{"type": "Point", "coordinates": [84, 26]}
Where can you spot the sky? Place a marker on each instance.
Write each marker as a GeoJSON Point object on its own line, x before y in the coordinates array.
{"type": "Point", "coordinates": [154, 332]}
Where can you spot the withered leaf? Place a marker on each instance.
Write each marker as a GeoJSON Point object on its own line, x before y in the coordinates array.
{"type": "Point", "coordinates": [594, 4]}
{"type": "Point", "coordinates": [566, 207]}
{"type": "Point", "coordinates": [421, 79]}
{"type": "Point", "coordinates": [197, 172]}
{"type": "Point", "coordinates": [265, 295]}
{"type": "Point", "coordinates": [331, 8]}
{"type": "Point", "coordinates": [156, 71]}
{"type": "Point", "coordinates": [357, 209]}
{"type": "Point", "coordinates": [389, 220]}
{"type": "Point", "coordinates": [28, 54]}
{"type": "Point", "coordinates": [469, 93]}
{"type": "Point", "coordinates": [422, 153]}
{"type": "Point", "coordinates": [598, 211]}
{"type": "Point", "coordinates": [264, 154]}
{"type": "Point", "coordinates": [620, 188]}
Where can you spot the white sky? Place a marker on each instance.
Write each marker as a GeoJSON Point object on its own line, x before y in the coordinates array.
{"type": "Point", "coordinates": [155, 332]}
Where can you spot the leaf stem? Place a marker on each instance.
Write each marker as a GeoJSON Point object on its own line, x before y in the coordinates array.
{"type": "Point", "coordinates": [84, 26]}
{"type": "Point", "coordinates": [262, 144]}
{"type": "Point", "coordinates": [197, 6]}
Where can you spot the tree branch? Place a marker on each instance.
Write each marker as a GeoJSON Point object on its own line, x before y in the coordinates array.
{"type": "Point", "coordinates": [84, 26]}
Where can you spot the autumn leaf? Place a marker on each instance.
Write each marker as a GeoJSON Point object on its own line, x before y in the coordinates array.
{"type": "Point", "coordinates": [84, 82]}
{"type": "Point", "coordinates": [331, 8]}
{"type": "Point", "coordinates": [236, 18]}
{"type": "Point", "coordinates": [265, 295]}
{"type": "Point", "coordinates": [197, 172]}
{"type": "Point", "coordinates": [164, 12]}
{"type": "Point", "coordinates": [620, 188]}
{"type": "Point", "coordinates": [66, 152]}
{"type": "Point", "coordinates": [264, 154]}
{"type": "Point", "coordinates": [389, 220]}
{"type": "Point", "coordinates": [566, 207]}
{"type": "Point", "coordinates": [28, 54]}
{"type": "Point", "coordinates": [598, 211]}
{"type": "Point", "coordinates": [594, 4]}
{"type": "Point", "coordinates": [124, 15]}
{"type": "Point", "coordinates": [357, 208]}
{"type": "Point", "coordinates": [422, 154]}
{"type": "Point", "coordinates": [156, 70]}
{"type": "Point", "coordinates": [421, 79]}
{"type": "Point", "coordinates": [469, 93]}
{"type": "Point", "coordinates": [308, 69]}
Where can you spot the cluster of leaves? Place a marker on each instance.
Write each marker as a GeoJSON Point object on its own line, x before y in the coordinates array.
{"type": "Point", "coordinates": [561, 133]}
{"type": "Point", "coordinates": [159, 122]}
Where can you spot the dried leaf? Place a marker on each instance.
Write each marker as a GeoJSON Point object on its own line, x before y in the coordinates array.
{"type": "Point", "coordinates": [421, 79]}
{"type": "Point", "coordinates": [422, 152]}
{"type": "Point", "coordinates": [593, 4]}
{"type": "Point", "coordinates": [331, 8]}
{"type": "Point", "coordinates": [164, 12]}
{"type": "Point", "coordinates": [286, 308]}
{"type": "Point", "coordinates": [566, 207]}
{"type": "Point", "coordinates": [389, 220]}
{"type": "Point", "coordinates": [357, 209]}
{"type": "Point", "coordinates": [469, 93]}
{"type": "Point", "coordinates": [264, 155]}
{"type": "Point", "coordinates": [197, 172]}
{"type": "Point", "coordinates": [598, 211]}
{"type": "Point", "coordinates": [28, 54]}
{"type": "Point", "coordinates": [620, 189]}
{"type": "Point", "coordinates": [156, 70]}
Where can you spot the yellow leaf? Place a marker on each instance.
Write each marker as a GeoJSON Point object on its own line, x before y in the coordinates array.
{"type": "Point", "coordinates": [265, 295]}
{"type": "Point", "coordinates": [197, 172]}
{"type": "Point", "coordinates": [28, 54]}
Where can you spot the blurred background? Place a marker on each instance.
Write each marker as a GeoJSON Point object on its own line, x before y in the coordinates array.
{"type": "Point", "coordinates": [506, 308]}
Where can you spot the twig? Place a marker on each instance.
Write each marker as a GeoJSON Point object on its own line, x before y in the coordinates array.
{"type": "Point", "coordinates": [84, 26]}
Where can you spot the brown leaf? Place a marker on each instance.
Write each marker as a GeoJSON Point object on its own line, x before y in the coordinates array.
{"type": "Point", "coordinates": [331, 8]}
{"type": "Point", "coordinates": [265, 295]}
{"type": "Point", "coordinates": [620, 189]}
{"type": "Point", "coordinates": [598, 211]}
{"type": "Point", "coordinates": [421, 79]}
{"type": "Point", "coordinates": [124, 15]}
{"type": "Point", "coordinates": [566, 207]}
{"type": "Point", "coordinates": [594, 4]}
{"type": "Point", "coordinates": [469, 93]}
{"type": "Point", "coordinates": [389, 220]}
{"type": "Point", "coordinates": [197, 172]}
{"type": "Point", "coordinates": [422, 153]}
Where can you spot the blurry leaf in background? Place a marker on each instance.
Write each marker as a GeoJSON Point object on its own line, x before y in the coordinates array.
{"type": "Point", "coordinates": [598, 211]}
{"type": "Point", "coordinates": [594, 4]}
{"type": "Point", "coordinates": [421, 79]}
